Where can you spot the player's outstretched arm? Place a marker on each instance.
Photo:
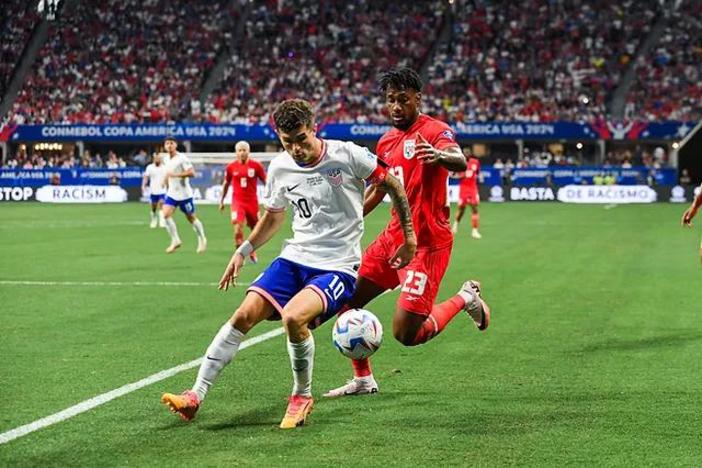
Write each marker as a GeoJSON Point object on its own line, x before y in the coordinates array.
{"type": "Point", "coordinates": [266, 227]}
{"type": "Point", "coordinates": [373, 196]}
{"type": "Point", "coordinates": [144, 182]}
{"type": "Point", "coordinates": [451, 158]}
{"type": "Point", "coordinates": [225, 187]}
{"type": "Point", "coordinates": [397, 193]}
{"type": "Point", "coordinates": [692, 210]}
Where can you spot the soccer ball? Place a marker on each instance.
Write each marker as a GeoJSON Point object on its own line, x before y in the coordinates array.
{"type": "Point", "coordinates": [357, 334]}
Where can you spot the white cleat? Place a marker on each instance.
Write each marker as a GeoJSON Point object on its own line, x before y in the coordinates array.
{"type": "Point", "coordinates": [153, 224]}
{"type": "Point", "coordinates": [475, 234]}
{"type": "Point", "coordinates": [201, 245]}
{"type": "Point", "coordinates": [454, 227]}
{"type": "Point", "coordinates": [476, 307]}
{"type": "Point", "coordinates": [173, 247]}
{"type": "Point", "coordinates": [355, 386]}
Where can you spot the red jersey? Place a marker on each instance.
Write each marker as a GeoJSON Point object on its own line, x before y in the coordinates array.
{"type": "Point", "coordinates": [469, 178]}
{"type": "Point", "coordinates": [242, 178]}
{"type": "Point", "coordinates": [425, 185]}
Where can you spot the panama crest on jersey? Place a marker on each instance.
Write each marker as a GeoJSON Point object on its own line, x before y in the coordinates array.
{"type": "Point", "coordinates": [252, 172]}
{"type": "Point", "coordinates": [408, 150]}
{"type": "Point", "coordinates": [335, 177]}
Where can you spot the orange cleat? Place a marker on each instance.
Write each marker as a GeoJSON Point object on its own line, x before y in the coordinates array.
{"type": "Point", "coordinates": [186, 404]}
{"type": "Point", "coordinates": [299, 409]}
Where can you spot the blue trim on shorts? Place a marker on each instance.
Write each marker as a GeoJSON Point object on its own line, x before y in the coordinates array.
{"type": "Point", "coordinates": [157, 198]}
{"type": "Point", "coordinates": [187, 206]}
{"type": "Point", "coordinates": [283, 279]}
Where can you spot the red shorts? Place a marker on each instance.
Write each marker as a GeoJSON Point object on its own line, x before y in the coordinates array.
{"type": "Point", "coordinates": [468, 197]}
{"type": "Point", "coordinates": [245, 212]}
{"type": "Point", "coordinates": [420, 279]}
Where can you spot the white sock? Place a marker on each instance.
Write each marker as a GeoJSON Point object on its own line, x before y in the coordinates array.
{"type": "Point", "coordinates": [153, 217]}
{"type": "Point", "coordinates": [220, 353]}
{"type": "Point", "coordinates": [199, 229]}
{"type": "Point", "coordinates": [302, 362]}
{"type": "Point", "coordinates": [161, 219]}
{"type": "Point", "coordinates": [172, 230]}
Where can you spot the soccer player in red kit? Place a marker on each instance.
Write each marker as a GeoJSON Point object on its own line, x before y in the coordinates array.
{"type": "Point", "coordinates": [420, 152]}
{"type": "Point", "coordinates": [468, 195]}
{"type": "Point", "coordinates": [243, 175]}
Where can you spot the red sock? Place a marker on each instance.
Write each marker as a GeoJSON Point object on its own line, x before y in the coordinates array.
{"type": "Point", "coordinates": [239, 239]}
{"type": "Point", "coordinates": [440, 316]}
{"type": "Point", "coordinates": [361, 367]}
{"type": "Point", "coordinates": [475, 220]}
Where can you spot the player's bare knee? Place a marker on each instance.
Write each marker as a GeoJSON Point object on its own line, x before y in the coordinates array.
{"type": "Point", "coordinates": [404, 336]}
{"type": "Point", "coordinates": [293, 321]}
{"type": "Point", "coordinates": [244, 319]}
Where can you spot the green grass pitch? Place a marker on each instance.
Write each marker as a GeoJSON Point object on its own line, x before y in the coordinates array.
{"type": "Point", "coordinates": [592, 358]}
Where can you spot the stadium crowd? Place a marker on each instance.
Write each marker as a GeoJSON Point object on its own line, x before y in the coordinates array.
{"type": "Point", "coordinates": [669, 79]}
{"type": "Point", "coordinates": [122, 61]}
{"type": "Point", "coordinates": [328, 52]}
{"type": "Point", "coordinates": [557, 60]}
{"type": "Point", "coordinates": [17, 21]}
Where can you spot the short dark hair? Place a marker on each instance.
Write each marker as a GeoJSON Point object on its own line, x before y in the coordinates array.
{"type": "Point", "coordinates": [170, 138]}
{"type": "Point", "coordinates": [292, 114]}
{"type": "Point", "coordinates": [400, 78]}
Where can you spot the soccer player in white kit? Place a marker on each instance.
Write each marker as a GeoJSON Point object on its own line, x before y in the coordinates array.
{"type": "Point", "coordinates": [155, 177]}
{"type": "Point", "coordinates": [314, 275]}
{"type": "Point", "coordinates": [179, 170]}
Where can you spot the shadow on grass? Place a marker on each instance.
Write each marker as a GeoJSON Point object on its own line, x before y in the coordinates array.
{"type": "Point", "coordinates": [635, 344]}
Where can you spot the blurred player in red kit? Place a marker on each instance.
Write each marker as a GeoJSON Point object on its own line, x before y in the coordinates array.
{"type": "Point", "coordinates": [420, 151]}
{"type": "Point", "coordinates": [468, 195]}
{"type": "Point", "coordinates": [243, 175]}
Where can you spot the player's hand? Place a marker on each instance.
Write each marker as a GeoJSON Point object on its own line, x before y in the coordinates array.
{"type": "Point", "coordinates": [687, 217]}
{"type": "Point", "coordinates": [221, 206]}
{"type": "Point", "coordinates": [404, 254]}
{"type": "Point", "coordinates": [425, 152]}
{"type": "Point", "coordinates": [231, 273]}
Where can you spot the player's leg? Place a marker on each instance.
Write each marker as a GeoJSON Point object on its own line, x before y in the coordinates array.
{"type": "Point", "coordinates": [159, 212]}
{"type": "Point", "coordinates": [188, 207]}
{"type": "Point", "coordinates": [323, 295]}
{"type": "Point", "coordinates": [417, 319]}
{"type": "Point", "coordinates": [238, 218]}
{"type": "Point", "coordinates": [154, 212]}
{"type": "Point", "coordinates": [375, 277]}
{"type": "Point", "coordinates": [219, 354]}
{"type": "Point", "coordinates": [169, 206]}
{"type": "Point", "coordinates": [475, 218]}
{"type": "Point", "coordinates": [459, 215]}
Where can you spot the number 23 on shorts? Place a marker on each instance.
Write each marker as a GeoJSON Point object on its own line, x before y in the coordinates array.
{"type": "Point", "coordinates": [415, 283]}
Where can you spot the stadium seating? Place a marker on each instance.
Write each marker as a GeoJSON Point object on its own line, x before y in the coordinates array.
{"type": "Point", "coordinates": [17, 21]}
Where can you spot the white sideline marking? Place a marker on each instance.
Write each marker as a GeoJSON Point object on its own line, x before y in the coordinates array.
{"type": "Point", "coordinates": [109, 396]}
{"type": "Point", "coordinates": [609, 206]}
{"type": "Point", "coordinates": [108, 283]}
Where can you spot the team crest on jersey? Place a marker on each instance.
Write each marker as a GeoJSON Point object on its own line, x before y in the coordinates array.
{"type": "Point", "coordinates": [334, 176]}
{"type": "Point", "coordinates": [252, 172]}
{"type": "Point", "coordinates": [409, 149]}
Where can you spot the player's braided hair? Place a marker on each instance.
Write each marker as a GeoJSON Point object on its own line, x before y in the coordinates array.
{"type": "Point", "coordinates": [400, 78]}
{"type": "Point", "coordinates": [292, 114]}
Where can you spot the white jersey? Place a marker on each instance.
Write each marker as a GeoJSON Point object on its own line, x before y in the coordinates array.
{"type": "Point", "coordinates": [157, 178]}
{"type": "Point", "coordinates": [179, 187]}
{"type": "Point", "coordinates": [327, 201]}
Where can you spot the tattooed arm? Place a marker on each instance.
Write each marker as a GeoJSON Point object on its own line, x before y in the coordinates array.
{"type": "Point", "coordinates": [406, 252]}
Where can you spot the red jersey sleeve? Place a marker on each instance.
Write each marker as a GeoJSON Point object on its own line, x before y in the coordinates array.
{"type": "Point", "coordinates": [441, 136]}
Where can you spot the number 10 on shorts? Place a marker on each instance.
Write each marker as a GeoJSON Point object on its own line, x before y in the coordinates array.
{"type": "Point", "coordinates": [415, 283]}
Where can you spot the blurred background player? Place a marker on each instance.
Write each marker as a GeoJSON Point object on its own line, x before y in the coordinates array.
{"type": "Point", "coordinates": [243, 176]}
{"type": "Point", "coordinates": [314, 275]}
{"type": "Point", "coordinates": [691, 212]}
{"type": "Point", "coordinates": [421, 151]}
{"type": "Point", "coordinates": [155, 176]}
{"type": "Point", "coordinates": [468, 194]}
{"type": "Point", "coordinates": [179, 194]}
